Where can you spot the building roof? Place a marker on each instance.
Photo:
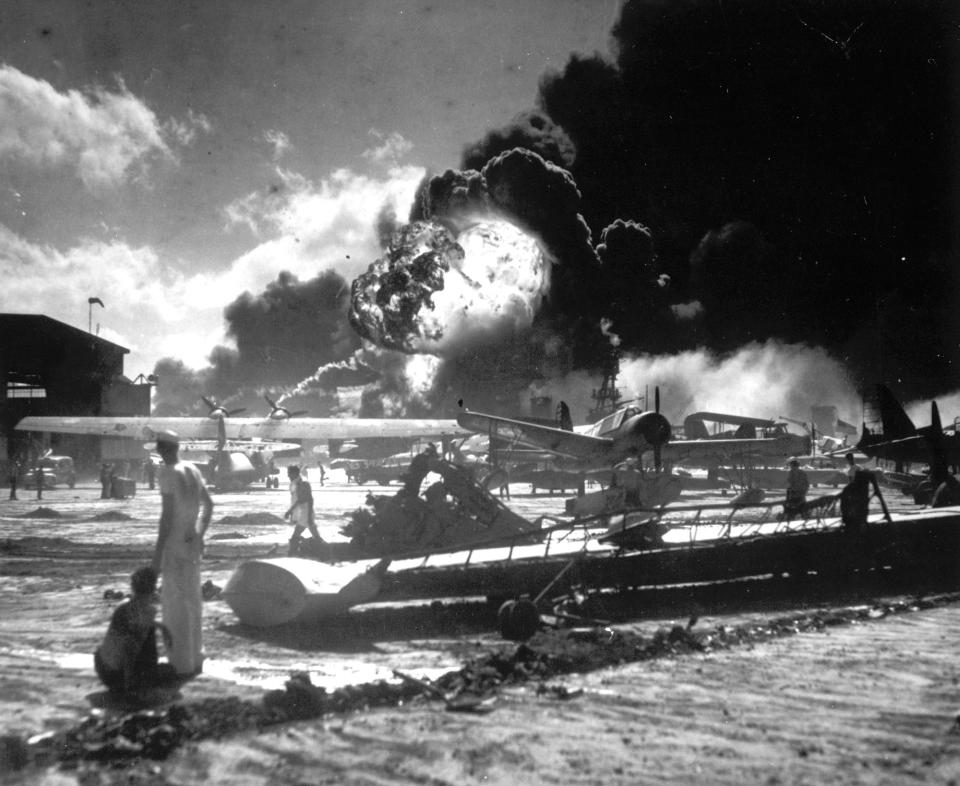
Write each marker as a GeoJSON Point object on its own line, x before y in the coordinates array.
{"type": "Point", "coordinates": [20, 326]}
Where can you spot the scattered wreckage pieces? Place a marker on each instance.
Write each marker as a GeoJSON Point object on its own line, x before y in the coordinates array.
{"type": "Point", "coordinates": [454, 511]}
{"type": "Point", "coordinates": [155, 733]}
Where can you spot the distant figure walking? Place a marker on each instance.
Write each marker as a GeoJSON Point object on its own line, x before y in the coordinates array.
{"type": "Point", "coordinates": [126, 661]}
{"type": "Point", "coordinates": [323, 473]}
{"type": "Point", "coordinates": [178, 553]}
{"type": "Point", "coordinates": [151, 470]}
{"type": "Point", "coordinates": [300, 511]}
{"type": "Point", "coordinates": [38, 477]}
{"type": "Point", "coordinates": [797, 486]}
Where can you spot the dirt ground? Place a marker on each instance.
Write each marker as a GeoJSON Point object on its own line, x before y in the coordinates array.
{"type": "Point", "coordinates": [853, 684]}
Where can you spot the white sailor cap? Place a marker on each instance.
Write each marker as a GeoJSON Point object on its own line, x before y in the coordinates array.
{"type": "Point", "coordinates": [169, 437]}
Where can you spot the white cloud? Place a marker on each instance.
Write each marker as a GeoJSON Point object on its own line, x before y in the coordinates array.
{"type": "Point", "coordinates": [156, 310]}
{"type": "Point", "coordinates": [318, 226]}
{"type": "Point", "coordinates": [278, 140]}
{"type": "Point", "coordinates": [185, 131]}
{"type": "Point", "coordinates": [106, 137]}
{"type": "Point", "coordinates": [149, 308]}
{"type": "Point", "coordinates": [390, 150]}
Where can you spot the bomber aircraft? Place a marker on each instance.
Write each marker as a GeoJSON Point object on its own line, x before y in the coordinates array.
{"type": "Point", "coordinates": [240, 442]}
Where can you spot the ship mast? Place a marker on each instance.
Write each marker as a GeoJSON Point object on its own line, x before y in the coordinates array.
{"type": "Point", "coordinates": [606, 398]}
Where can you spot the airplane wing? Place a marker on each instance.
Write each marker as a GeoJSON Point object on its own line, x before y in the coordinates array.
{"type": "Point", "coordinates": [145, 427]}
{"type": "Point", "coordinates": [720, 450]}
{"type": "Point", "coordinates": [554, 440]}
{"type": "Point", "coordinates": [232, 446]}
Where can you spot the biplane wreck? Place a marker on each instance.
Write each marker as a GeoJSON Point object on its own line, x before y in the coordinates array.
{"type": "Point", "coordinates": [464, 543]}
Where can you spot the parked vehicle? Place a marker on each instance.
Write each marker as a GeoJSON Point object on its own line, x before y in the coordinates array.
{"type": "Point", "coordinates": [28, 479]}
{"type": "Point", "coordinates": [57, 471]}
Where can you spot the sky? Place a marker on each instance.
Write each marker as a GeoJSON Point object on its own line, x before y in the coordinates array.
{"type": "Point", "coordinates": [167, 157]}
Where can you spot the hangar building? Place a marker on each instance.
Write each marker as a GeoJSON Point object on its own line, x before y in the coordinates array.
{"type": "Point", "coordinates": [51, 368]}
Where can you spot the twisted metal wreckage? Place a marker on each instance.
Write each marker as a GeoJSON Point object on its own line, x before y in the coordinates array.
{"type": "Point", "coordinates": [457, 540]}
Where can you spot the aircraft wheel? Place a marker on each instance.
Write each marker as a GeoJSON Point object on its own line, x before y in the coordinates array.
{"type": "Point", "coordinates": [518, 620]}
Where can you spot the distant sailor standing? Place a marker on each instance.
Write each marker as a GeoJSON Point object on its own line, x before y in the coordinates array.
{"type": "Point", "coordinates": [178, 553]}
{"type": "Point", "coordinates": [797, 487]}
{"type": "Point", "coordinates": [852, 467]}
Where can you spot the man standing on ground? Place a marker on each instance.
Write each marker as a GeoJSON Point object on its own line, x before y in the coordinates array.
{"type": "Point", "coordinates": [14, 477]}
{"type": "Point", "coordinates": [797, 487]}
{"type": "Point", "coordinates": [106, 480]}
{"type": "Point", "coordinates": [178, 553]}
{"type": "Point", "coordinates": [851, 469]}
{"type": "Point", "coordinates": [300, 511]}
{"type": "Point", "coordinates": [855, 499]}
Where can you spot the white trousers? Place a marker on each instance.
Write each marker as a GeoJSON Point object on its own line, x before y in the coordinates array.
{"type": "Point", "coordinates": [181, 603]}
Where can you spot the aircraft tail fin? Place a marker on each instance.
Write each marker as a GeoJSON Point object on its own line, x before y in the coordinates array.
{"type": "Point", "coordinates": [894, 419]}
{"type": "Point", "coordinates": [563, 412]}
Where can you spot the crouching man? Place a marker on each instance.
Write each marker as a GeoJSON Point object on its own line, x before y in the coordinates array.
{"type": "Point", "coordinates": [126, 661]}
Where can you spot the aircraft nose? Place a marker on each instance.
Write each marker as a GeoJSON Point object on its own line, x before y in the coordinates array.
{"type": "Point", "coordinates": [653, 427]}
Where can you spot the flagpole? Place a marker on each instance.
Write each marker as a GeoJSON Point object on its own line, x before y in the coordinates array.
{"type": "Point", "coordinates": [90, 302]}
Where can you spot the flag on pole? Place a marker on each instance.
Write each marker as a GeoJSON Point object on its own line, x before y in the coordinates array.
{"type": "Point", "coordinates": [92, 300]}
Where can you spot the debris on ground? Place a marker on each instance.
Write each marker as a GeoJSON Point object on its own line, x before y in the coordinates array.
{"type": "Point", "coordinates": [112, 515]}
{"type": "Point", "coordinates": [551, 653]}
{"type": "Point", "coordinates": [250, 520]}
{"type": "Point", "coordinates": [41, 513]}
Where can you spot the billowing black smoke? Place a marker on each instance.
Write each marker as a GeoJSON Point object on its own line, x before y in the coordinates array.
{"type": "Point", "coordinates": [281, 336]}
{"type": "Point", "coordinates": [794, 163]}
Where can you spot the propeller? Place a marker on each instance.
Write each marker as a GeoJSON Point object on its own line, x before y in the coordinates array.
{"type": "Point", "coordinates": [282, 412]}
{"type": "Point", "coordinates": [655, 429]}
{"type": "Point", "coordinates": [218, 410]}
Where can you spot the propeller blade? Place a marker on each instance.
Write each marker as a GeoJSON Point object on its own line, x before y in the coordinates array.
{"type": "Point", "coordinates": [272, 403]}
{"type": "Point", "coordinates": [298, 413]}
{"type": "Point", "coordinates": [209, 403]}
{"type": "Point", "coordinates": [656, 399]}
{"type": "Point", "coordinates": [236, 411]}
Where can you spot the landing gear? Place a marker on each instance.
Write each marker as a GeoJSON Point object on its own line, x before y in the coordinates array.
{"type": "Point", "coordinates": [518, 620]}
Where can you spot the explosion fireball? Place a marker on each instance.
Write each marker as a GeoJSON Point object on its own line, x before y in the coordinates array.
{"type": "Point", "coordinates": [436, 293]}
